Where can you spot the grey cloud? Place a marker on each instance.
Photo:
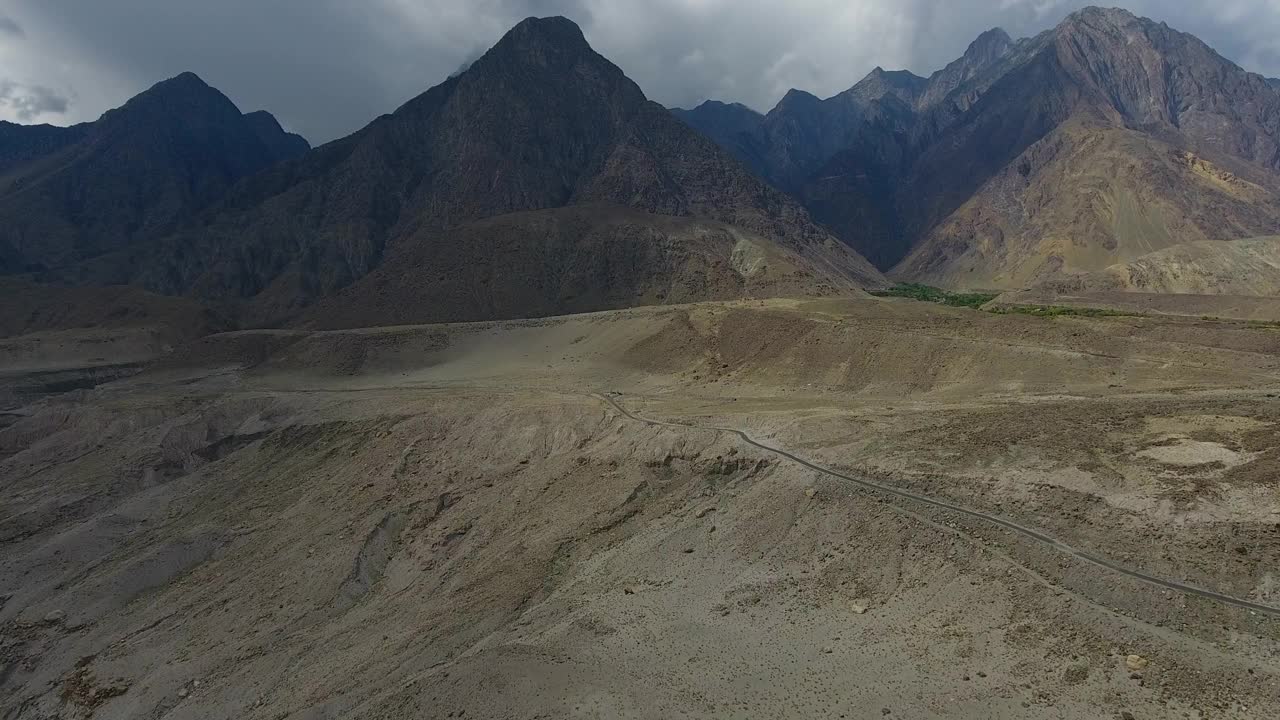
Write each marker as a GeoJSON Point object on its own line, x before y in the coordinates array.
{"type": "Point", "coordinates": [29, 102]}
{"type": "Point", "coordinates": [323, 67]}
{"type": "Point", "coordinates": [9, 26]}
{"type": "Point", "coordinates": [327, 67]}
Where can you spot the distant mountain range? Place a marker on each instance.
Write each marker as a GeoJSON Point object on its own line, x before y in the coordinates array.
{"type": "Point", "coordinates": [1096, 142]}
{"type": "Point", "coordinates": [540, 180]}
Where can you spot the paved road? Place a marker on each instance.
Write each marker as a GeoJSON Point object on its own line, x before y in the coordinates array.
{"type": "Point", "coordinates": [612, 399]}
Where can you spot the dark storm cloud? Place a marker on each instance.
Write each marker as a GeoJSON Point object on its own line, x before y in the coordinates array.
{"type": "Point", "coordinates": [327, 67]}
{"type": "Point", "coordinates": [324, 67]}
{"type": "Point", "coordinates": [29, 102]}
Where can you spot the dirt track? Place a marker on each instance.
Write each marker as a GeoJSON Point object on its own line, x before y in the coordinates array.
{"type": "Point", "coordinates": [1102, 563]}
{"type": "Point", "coordinates": [415, 522]}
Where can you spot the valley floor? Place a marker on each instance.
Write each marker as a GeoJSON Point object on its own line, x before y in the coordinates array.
{"type": "Point", "coordinates": [540, 518]}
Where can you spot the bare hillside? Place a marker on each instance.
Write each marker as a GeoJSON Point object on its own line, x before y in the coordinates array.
{"type": "Point", "coordinates": [1239, 267]}
{"type": "Point", "coordinates": [553, 518]}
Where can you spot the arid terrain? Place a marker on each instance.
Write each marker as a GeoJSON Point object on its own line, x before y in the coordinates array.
{"type": "Point", "coordinates": [945, 396]}
{"type": "Point", "coordinates": [459, 521]}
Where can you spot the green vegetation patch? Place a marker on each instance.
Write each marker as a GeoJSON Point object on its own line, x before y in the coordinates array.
{"type": "Point", "coordinates": [928, 293]}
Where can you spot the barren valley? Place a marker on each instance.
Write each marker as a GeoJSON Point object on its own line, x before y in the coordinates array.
{"type": "Point", "coordinates": [953, 396]}
{"type": "Point", "coordinates": [459, 520]}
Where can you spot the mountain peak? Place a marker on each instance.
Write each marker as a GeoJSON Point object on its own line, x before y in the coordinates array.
{"type": "Point", "coordinates": [988, 46]}
{"type": "Point", "coordinates": [267, 127]}
{"type": "Point", "coordinates": [550, 45]}
{"type": "Point", "coordinates": [798, 97]}
{"type": "Point", "coordinates": [1094, 16]}
{"type": "Point", "coordinates": [709, 105]}
{"type": "Point", "coordinates": [186, 82]}
{"type": "Point", "coordinates": [550, 25]}
{"type": "Point", "coordinates": [186, 86]}
{"type": "Point", "coordinates": [178, 98]}
{"type": "Point", "coordinates": [995, 34]}
{"type": "Point", "coordinates": [541, 34]}
{"type": "Point", "coordinates": [879, 83]}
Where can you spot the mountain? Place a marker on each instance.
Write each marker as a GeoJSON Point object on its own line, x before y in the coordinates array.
{"type": "Point", "coordinates": [982, 54]}
{"type": "Point", "coordinates": [846, 157]}
{"type": "Point", "coordinates": [281, 143]}
{"type": "Point", "coordinates": [69, 194]}
{"type": "Point", "coordinates": [1111, 137]}
{"type": "Point", "coordinates": [792, 146]}
{"type": "Point", "coordinates": [21, 144]}
{"type": "Point", "coordinates": [540, 122]}
{"type": "Point", "coordinates": [729, 124]}
{"type": "Point", "coordinates": [1094, 143]}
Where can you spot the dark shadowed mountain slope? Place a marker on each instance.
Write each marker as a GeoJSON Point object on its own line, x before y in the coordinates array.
{"type": "Point", "coordinates": [539, 122]}
{"type": "Point", "coordinates": [280, 143]}
{"type": "Point", "coordinates": [567, 260]}
{"type": "Point", "coordinates": [846, 157]}
{"type": "Point", "coordinates": [21, 144]}
{"type": "Point", "coordinates": [729, 124]}
{"type": "Point", "coordinates": [67, 194]}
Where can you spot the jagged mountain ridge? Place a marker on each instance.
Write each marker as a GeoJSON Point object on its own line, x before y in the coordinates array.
{"type": "Point", "coordinates": [539, 122]}
{"type": "Point", "coordinates": [985, 173]}
{"type": "Point", "coordinates": [845, 157]}
{"type": "Point", "coordinates": [1132, 137]}
{"type": "Point", "coordinates": [944, 172]}
{"type": "Point", "coordinates": [141, 170]}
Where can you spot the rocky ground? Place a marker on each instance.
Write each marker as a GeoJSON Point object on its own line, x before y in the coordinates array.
{"type": "Point", "coordinates": [449, 521]}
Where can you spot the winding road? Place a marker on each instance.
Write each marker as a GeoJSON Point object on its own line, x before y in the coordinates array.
{"type": "Point", "coordinates": [612, 399]}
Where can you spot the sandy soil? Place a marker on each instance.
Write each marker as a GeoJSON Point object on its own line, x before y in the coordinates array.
{"type": "Point", "coordinates": [447, 521]}
{"type": "Point", "coordinates": [1250, 308]}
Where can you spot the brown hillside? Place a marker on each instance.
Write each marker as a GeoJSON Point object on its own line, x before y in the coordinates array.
{"type": "Point", "coordinates": [569, 260]}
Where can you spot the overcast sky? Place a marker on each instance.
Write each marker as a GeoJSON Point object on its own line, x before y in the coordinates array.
{"type": "Point", "coordinates": [327, 67]}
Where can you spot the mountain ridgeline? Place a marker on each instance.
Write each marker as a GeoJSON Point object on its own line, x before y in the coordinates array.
{"type": "Point", "coordinates": [139, 172]}
{"type": "Point", "coordinates": [541, 123]}
{"type": "Point", "coordinates": [1094, 143]}
{"type": "Point", "coordinates": [540, 180]}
